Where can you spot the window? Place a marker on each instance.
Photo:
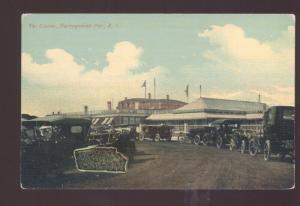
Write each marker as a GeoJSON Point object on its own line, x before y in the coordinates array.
{"type": "Point", "coordinates": [131, 120]}
{"type": "Point", "coordinates": [137, 120]}
{"type": "Point", "coordinates": [29, 132]}
{"type": "Point", "coordinates": [125, 120]}
{"type": "Point", "coordinates": [288, 114]}
{"type": "Point", "coordinates": [76, 129]}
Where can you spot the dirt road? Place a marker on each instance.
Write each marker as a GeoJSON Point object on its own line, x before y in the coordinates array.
{"type": "Point", "coordinates": [171, 165]}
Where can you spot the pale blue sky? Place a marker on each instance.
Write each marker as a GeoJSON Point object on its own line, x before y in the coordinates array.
{"type": "Point", "coordinates": [172, 42]}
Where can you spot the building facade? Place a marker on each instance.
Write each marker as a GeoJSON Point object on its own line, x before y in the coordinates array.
{"type": "Point", "coordinates": [149, 104]}
{"type": "Point", "coordinates": [205, 110]}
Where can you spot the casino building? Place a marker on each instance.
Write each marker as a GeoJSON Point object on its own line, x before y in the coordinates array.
{"type": "Point", "coordinates": [135, 111]}
{"type": "Point", "coordinates": [205, 110]}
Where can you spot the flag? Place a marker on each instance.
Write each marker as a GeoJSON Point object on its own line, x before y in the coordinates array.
{"type": "Point", "coordinates": [144, 84]}
{"type": "Point", "coordinates": [187, 90]}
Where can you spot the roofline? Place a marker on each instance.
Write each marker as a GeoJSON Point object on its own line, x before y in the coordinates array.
{"type": "Point", "coordinates": [147, 99]}
{"type": "Point", "coordinates": [236, 100]}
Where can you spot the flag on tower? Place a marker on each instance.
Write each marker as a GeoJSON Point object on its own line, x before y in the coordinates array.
{"type": "Point", "coordinates": [187, 91]}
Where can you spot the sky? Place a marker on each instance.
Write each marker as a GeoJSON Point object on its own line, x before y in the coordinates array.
{"type": "Point", "coordinates": [72, 60]}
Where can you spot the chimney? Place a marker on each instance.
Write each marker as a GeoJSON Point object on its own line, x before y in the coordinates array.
{"type": "Point", "coordinates": [109, 105]}
{"type": "Point", "coordinates": [149, 95]}
{"type": "Point", "coordinates": [125, 98]}
{"type": "Point", "coordinates": [168, 97]}
{"type": "Point", "coordinates": [86, 109]}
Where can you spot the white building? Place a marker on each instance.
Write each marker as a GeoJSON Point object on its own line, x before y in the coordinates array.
{"type": "Point", "coordinates": [205, 110]}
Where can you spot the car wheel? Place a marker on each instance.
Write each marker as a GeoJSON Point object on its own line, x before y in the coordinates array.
{"type": "Point", "coordinates": [231, 144]}
{"type": "Point", "coordinates": [180, 138]}
{"type": "Point", "coordinates": [142, 136]}
{"type": "Point", "coordinates": [281, 156]}
{"type": "Point", "coordinates": [219, 142]}
{"type": "Point", "coordinates": [157, 137]}
{"type": "Point", "coordinates": [243, 147]}
{"type": "Point", "coordinates": [205, 140]}
{"type": "Point", "coordinates": [252, 147]}
{"type": "Point", "coordinates": [197, 139]}
{"type": "Point", "coordinates": [267, 150]}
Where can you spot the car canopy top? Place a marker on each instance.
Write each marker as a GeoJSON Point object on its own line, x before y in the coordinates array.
{"type": "Point", "coordinates": [226, 122]}
{"type": "Point", "coordinates": [56, 120]}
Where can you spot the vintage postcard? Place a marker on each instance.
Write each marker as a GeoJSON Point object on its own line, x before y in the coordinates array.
{"type": "Point", "coordinates": [158, 101]}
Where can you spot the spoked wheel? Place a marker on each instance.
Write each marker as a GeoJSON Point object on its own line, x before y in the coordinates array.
{"type": "Point", "coordinates": [243, 147]}
{"type": "Point", "coordinates": [180, 138]}
{"type": "Point", "coordinates": [205, 140]}
{"type": "Point", "coordinates": [141, 136]}
{"type": "Point", "coordinates": [281, 156]}
{"type": "Point", "coordinates": [197, 139]}
{"type": "Point", "coordinates": [252, 148]}
{"type": "Point", "coordinates": [157, 137]}
{"type": "Point", "coordinates": [219, 142]}
{"type": "Point", "coordinates": [267, 150]}
{"type": "Point", "coordinates": [231, 144]}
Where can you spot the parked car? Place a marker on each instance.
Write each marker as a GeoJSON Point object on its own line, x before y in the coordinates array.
{"type": "Point", "coordinates": [226, 133]}
{"type": "Point", "coordinates": [155, 132]}
{"type": "Point", "coordinates": [47, 144]}
{"type": "Point", "coordinates": [277, 136]}
{"type": "Point", "coordinates": [204, 135]}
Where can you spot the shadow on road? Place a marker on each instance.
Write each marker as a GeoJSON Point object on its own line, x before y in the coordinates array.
{"type": "Point", "coordinates": [142, 160]}
{"type": "Point", "coordinates": [141, 153]}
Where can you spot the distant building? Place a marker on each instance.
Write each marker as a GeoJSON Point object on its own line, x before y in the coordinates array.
{"type": "Point", "coordinates": [149, 104]}
{"type": "Point", "coordinates": [205, 110]}
{"type": "Point", "coordinates": [133, 111]}
{"type": "Point", "coordinates": [129, 111]}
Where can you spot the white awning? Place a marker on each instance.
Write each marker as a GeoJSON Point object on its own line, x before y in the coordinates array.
{"type": "Point", "coordinates": [110, 120]}
{"type": "Point", "coordinates": [95, 120]}
{"type": "Point", "coordinates": [104, 121]}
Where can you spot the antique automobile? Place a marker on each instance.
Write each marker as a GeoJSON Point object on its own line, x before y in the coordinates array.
{"type": "Point", "coordinates": [277, 136]}
{"type": "Point", "coordinates": [226, 133]}
{"type": "Point", "coordinates": [107, 135]}
{"type": "Point", "coordinates": [47, 144]}
{"type": "Point", "coordinates": [155, 132]}
{"type": "Point", "coordinates": [111, 147]}
{"type": "Point", "coordinates": [204, 135]}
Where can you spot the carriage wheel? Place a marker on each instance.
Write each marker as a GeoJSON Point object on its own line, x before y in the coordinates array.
{"type": "Point", "coordinates": [197, 139]}
{"type": "Point", "coordinates": [267, 150]}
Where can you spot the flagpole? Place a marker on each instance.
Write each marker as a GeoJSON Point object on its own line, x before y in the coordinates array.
{"type": "Point", "coordinates": [200, 90]}
{"type": "Point", "coordinates": [145, 90]}
{"type": "Point", "coordinates": [154, 89]}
